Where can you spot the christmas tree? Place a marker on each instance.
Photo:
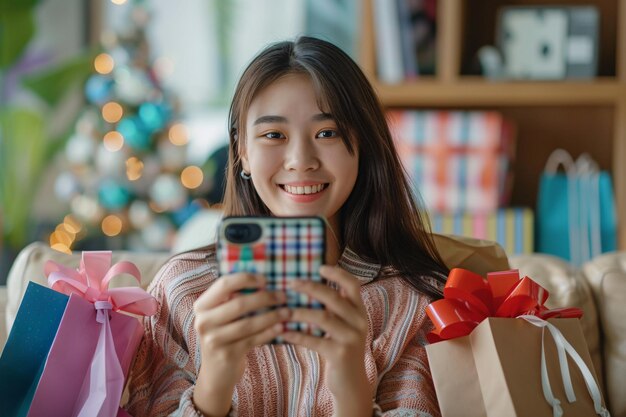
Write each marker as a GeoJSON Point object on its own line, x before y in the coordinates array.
{"type": "Point", "coordinates": [127, 178]}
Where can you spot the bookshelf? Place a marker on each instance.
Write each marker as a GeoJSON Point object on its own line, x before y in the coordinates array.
{"type": "Point", "coordinates": [577, 115]}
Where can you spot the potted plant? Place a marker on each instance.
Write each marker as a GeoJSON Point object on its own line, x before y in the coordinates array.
{"type": "Point", "coordinates": [27, 142]}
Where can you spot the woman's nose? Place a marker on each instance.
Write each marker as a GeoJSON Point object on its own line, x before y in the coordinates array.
{"type": "Point", "coordinates": [301, 155]}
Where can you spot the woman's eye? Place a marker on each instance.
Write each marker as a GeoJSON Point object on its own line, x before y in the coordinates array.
{"type": "Point", "coordinates": [327, 134]}
{"type": "Point", "coordinates": [274, 135]}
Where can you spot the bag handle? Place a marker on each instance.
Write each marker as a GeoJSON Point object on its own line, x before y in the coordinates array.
{"type": "Point", "coordinates": [586, 164]}
{"type": "Point", "coordinates": [560, 157]}
{"type": "Point", "coordinates": [588, 173]}
{"type": "Point", "coordinates": [564, 348]}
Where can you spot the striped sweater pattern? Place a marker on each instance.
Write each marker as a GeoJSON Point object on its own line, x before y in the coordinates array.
{"type": "Point", "coordinates": [282, 380]}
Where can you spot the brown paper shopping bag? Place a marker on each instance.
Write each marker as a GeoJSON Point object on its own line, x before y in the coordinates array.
{"type": "Point", "coordinates": [456, 381]}
{"type": "Point", "coordinates": [495, 371]}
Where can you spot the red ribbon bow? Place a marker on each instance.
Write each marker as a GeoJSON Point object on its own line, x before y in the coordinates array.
{"type": "Point", "coordinates": [469, 299]}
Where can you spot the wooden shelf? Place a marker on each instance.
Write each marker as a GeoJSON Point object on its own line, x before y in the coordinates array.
{"type": "Point", "coordinates": [475, 91]}
{"type": "Point", "coordinates": [578, 115]}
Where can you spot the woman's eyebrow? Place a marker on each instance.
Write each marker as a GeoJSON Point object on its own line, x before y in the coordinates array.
{"type": "Point", "coordinates": [270, 119]}
{"type": "Point", "coordinates": [322, 117]}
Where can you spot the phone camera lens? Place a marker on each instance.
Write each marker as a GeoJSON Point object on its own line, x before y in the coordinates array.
{"type": "Point", "coordinates": [242, 233]}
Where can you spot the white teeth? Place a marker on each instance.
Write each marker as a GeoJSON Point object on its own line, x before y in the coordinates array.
{"type": "Point", "coordinates": [307, 189]}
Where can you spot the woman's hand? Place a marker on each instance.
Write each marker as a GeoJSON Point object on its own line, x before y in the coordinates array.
{"type": "Point", "coordinates": [345, 322]}
{"type": "Point", "coordinates": [226, 335]}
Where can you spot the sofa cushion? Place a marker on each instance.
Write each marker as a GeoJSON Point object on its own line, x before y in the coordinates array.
{"type": "Point", "coordinates": [29, 266]}
{"type": "Point", "coordinates": [606, 275]}
{"type": "Point", "coordinates": [567, 288]}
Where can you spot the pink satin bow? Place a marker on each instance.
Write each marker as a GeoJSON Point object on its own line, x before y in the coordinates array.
{"type": "Point", "coordinates": [91, 282]}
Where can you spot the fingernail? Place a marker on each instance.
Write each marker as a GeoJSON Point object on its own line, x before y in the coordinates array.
{"type": "Point", "coordinates": [280, 296]}
{"type": "Point", "coordinates": [279, 327]}
{"type": "Point", "coordinates": [284, 313]}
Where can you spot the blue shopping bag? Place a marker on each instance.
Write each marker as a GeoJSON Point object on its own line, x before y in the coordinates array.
{"type": "Point", "coordinates": [576, 216]}
{"type": "Point", "coordinates": [25, 353]}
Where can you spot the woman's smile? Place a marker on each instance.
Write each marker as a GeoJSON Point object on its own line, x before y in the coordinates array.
{"type": "Point", "coordinates": [304, 193]}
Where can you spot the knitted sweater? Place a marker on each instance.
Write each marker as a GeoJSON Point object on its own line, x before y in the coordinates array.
{"type": "Point", "coordinates": [282, 380]}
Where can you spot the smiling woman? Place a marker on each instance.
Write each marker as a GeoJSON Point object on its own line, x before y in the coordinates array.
{"type": "Point", "coordinates": [307, 137]}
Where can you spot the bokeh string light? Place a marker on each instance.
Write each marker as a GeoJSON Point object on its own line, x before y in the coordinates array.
{"type": "Point", "coordinates": [178, 134]}
{"type": "Point", "coordinates": [113, 141]}
{"type": "Point", "coordinates": [112, 112]}
{"type": "Point", "coordinates": [134, 168]}
{"type": "Point", "coordinates": [192, 177]}
{"type": "Point", "coordinates": [65, 234]}
{"type": "Point", "coordinates": [104, 64]}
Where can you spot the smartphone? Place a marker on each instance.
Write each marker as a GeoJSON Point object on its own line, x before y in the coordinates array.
{"type": "Point", "coordinates": [280, 248]}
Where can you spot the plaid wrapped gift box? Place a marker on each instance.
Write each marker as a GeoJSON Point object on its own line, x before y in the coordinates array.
{"type": "Point", "coordinates": [459, 161]}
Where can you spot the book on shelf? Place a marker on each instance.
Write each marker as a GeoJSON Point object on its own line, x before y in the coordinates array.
{"type": "Point", "coordinates": [405, 37]}
{"type": "Point", "coordinates": [511, 227]}
{"type": "Point", "coordinates": [418, 22]}
{"type": "Point", "coordinates": [407, 40]}
{"type": "Point", "coordinates": [389, 64]}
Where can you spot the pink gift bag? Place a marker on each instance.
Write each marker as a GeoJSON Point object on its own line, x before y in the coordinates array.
{"type": "Point", "coordinates": [86, 368]}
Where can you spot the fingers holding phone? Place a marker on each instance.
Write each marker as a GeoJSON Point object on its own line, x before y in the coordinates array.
{"type": "Point", "coordinates": [344, 320]}
{"type": "Point", "coordinates": [224, 313]}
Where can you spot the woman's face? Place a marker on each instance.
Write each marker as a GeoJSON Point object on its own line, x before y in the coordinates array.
{"type": "Point", "coordinates": [298, 161]}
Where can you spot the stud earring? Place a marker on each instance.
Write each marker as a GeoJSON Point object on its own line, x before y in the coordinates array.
{"type": "Point", "coordinates": [245, 175]}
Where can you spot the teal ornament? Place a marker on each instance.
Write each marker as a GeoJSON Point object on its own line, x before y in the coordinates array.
{"type": "Point", "coordinates": [113, 196]}
{"type": "Point", "coordinates": [134, 132]}
{"type": "Point", "coordinates": [98, 89]}
{"type": "Point", "coordinates": [154, 115]}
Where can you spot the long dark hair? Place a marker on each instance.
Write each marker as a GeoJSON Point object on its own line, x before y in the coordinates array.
{"type": "Point", "coordinates": [380, 221]}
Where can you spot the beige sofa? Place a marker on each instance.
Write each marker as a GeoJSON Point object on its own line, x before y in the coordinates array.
{"type": "Point", "coordinates": [599, 288]}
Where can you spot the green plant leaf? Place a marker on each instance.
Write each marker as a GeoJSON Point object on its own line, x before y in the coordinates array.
{"type": "Point", "coordinates": [56, 145]}
{"type": "Point", "coordinates": [17, 27]}
{"type": "Point", "coordinates": [23, 159]}
{"type": "Point", "coordinates": [53, 84]}
{"type": "Point", "coordinates": [12, 5]}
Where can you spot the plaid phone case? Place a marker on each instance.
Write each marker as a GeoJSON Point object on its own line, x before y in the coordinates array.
{"type": "Point", "coordinates": [288, 248]}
